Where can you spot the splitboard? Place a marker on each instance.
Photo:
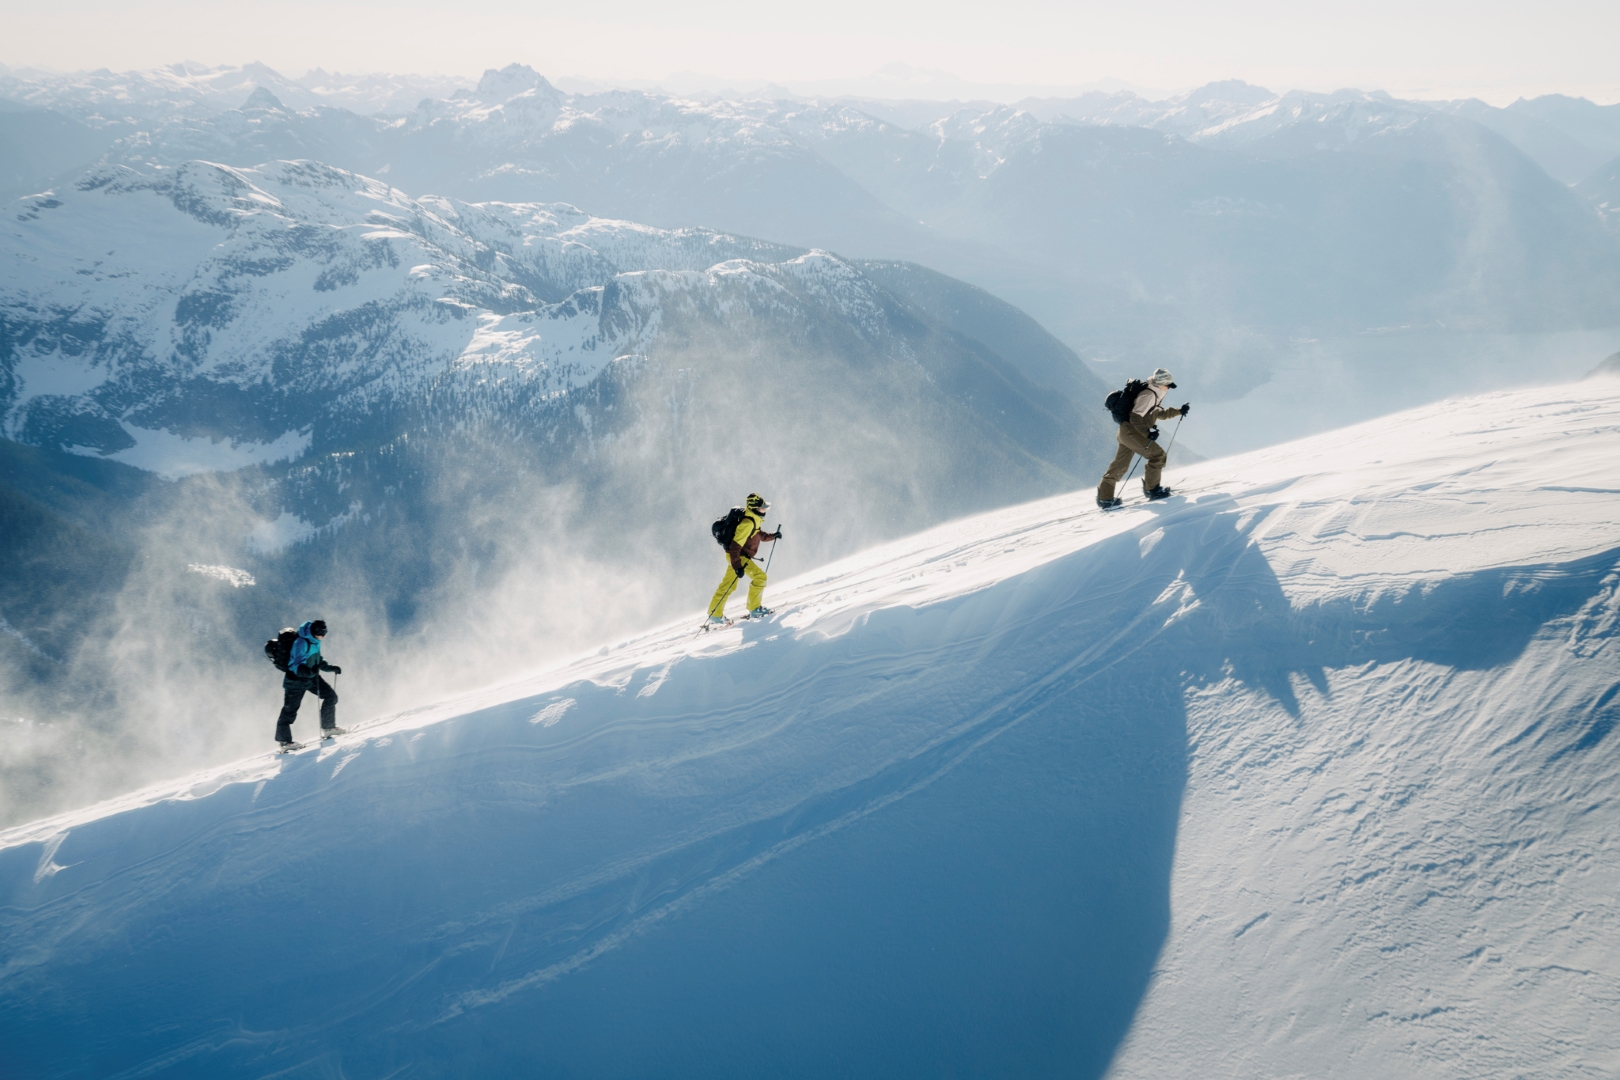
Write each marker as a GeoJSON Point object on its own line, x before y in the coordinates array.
{"type": "Point", "coordinates": [1178, 493]}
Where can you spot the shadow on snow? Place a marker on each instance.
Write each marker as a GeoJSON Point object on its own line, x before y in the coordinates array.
{"type": "Point", "coordinates": [938, 845]}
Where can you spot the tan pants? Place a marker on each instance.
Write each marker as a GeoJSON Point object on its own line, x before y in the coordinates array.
{"type": "Point", "coordinates": [1131, 443]}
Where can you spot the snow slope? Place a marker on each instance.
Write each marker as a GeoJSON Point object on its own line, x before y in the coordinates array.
{"type": "Point", "coordinates": [1304, 773]}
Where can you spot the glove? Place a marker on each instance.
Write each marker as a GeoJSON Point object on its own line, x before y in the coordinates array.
{"type": "Point", "coordinates": [737, 568]}
{"type": "Point", "coordinates": [778, 535]}
{"type": "Point", "coordinates": [1153, 433]}
{"type": "Point", "coordinates": [336, 670]}
{"type": "Point", "coordinates": [1185, 409]}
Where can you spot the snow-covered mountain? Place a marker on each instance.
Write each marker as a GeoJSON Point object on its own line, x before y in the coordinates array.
{"type": "Point", "coordinates": [212, 316]}
{"type": "Point", "coordinates": [1305, 213]}
{"type": "Point", "coordinates": [109, 98]}
{"type": "Point", "coordinates": [1309, 211]}
{"type": "Point", "coordinates": [54, 124]}
{"type": "Point", "coordinates": [1568, 137]}
{"type": "Point", "coordinates": [136, 301]}
{"type": "Point", "coordinates": [1306, 772]}
{"type": "Point", "coordinates": [1213, 231]}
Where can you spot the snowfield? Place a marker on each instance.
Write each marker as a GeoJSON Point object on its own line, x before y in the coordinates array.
{"type": "Point", "coordinates": [1307, 772]}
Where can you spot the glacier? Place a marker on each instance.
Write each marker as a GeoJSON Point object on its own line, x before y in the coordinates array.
{"type": "Point", "coordinates": [1306, 771]}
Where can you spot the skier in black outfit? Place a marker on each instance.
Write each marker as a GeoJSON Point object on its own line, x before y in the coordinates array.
{"type": "Point", "coordinates": [304, 667]}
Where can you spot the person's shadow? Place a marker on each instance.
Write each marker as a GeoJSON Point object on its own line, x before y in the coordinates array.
{"type": "Point", "coordinates": [1244, 624]}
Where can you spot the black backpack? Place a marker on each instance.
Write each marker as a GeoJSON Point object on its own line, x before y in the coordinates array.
{"type": "Point", "coordinates": [1120, 402]}
{"type": "Point", "coordinates": [725, 528]}
{"type": "Point", "coordinates": [278, 650]}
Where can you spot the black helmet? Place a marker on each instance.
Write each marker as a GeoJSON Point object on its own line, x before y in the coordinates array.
{"type": "Point", "coordinates": [757, 503]}
{"type": "Point", "coordinates": [317, 628]}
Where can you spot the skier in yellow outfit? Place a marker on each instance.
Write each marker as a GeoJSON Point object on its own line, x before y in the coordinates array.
{"type": "Point", "coordinates": [740, 552]}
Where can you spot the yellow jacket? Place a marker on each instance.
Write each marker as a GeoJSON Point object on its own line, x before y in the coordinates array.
{"type": "Point", "coordinates": [745, 541]}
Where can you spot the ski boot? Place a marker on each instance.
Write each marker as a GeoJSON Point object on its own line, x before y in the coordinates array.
{"type": "Point", "coordinates": [716, 623]}
{"type": "Point", "coordinates": [760, 612]}
{"type": "Point", "coordinates": [289, 747]}
{"type": "Point", "coordinates": [332, 732]}
{"type": "Point", "coordinates": [1109, 504]}
{"type": "Point", "coordinates": [1160, 492]}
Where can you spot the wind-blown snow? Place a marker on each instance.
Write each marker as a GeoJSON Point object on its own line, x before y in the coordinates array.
{"type": "Point", "coordinates": [1308, 772]}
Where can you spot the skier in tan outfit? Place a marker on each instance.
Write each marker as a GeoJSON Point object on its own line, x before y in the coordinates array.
{"type": "Point", "coordinates": [1135, 437]}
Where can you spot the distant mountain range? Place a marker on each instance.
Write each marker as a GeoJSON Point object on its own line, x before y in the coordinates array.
{"type": "Point", "coordinates": [112, 98]}
{"type": "Point", "coordinates": [1130, 227]}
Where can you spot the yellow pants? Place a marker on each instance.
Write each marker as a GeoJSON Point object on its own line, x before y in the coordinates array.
{"type": "Point", "coordinates": [756, 588]}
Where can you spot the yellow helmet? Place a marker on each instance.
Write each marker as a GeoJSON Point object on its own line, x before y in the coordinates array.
{"type": "Point", "coordinates": [756, 502]}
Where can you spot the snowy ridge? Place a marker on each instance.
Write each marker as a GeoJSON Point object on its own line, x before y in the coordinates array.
{"type": "Point", "coordinates": [1332, 731]}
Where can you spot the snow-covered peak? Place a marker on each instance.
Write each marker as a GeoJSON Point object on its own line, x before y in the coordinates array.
{"type": "Point", "coordinates": [512, 81]}
{"type": "Point", "coordinates": [1344, 120]}
{"type": "Point", "coordinates": [993, 134]}
{"type": "Point", "coordinates": [1224, 94]}
{"type": "Point", "coordinates": [262, 98]}
{"type": "Point", "coordinates": [155, 93]}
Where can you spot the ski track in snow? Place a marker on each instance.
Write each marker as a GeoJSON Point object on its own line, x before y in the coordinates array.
{"type": "Point", "coordinates": [1387, 651]}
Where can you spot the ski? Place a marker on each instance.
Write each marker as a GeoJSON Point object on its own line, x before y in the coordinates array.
{"type": "Point", "coordinates": [325, 738]}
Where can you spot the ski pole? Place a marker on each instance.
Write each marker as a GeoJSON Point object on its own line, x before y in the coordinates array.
{"type": "Point", "coordinates": [1173, 435]}
{"type": "Point", "coordinates": [772, 555]}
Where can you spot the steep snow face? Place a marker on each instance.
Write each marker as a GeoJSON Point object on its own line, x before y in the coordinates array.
{"type": "Point", "coordinates": [1306, 772]}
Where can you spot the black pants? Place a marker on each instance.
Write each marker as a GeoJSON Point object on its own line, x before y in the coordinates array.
{"type": "Point", "coordinates": [294, 690]}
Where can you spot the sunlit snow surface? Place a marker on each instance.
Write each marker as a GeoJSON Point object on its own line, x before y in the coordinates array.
{"type": "Point", "coordinates": [1308, 772]}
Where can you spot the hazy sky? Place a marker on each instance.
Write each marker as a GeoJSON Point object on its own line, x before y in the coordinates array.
{"type": "Point", "coordinates": [1485, 47]}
